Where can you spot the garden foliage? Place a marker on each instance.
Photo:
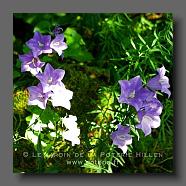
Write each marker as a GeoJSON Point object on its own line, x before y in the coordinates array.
{"type": "Point", "coordinates": [93, 93]}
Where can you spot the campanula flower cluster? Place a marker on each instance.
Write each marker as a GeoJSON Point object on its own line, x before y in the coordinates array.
{"type": "Point", "coordinates": [50, 87]}
{"type": "Point", "coordinates": [144, 100]}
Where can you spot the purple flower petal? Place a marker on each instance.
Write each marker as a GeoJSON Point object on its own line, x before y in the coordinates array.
{"type": "Point", "coordinates": [57, 30]}
{"type": "Point", "coordinates": [58, 45]}
{"type": "Point", "coordinates": [147, 122]}
{"type": "Point", "coordinates": [31, 63]}
{"type": "Point", "coordinates": [146, 125]}
{"type": "Point", "coordinates": [154, 83]}
{"type": "Point", "coordinates": [39, 44]}
{"type": "Point", "coordinates": [121, 138]}
{"type": "Point", "coordinates": [37, 97]}
{"type": "Point", "coordinates": [125, 129]}
{"type": "Point", "coordinates": [51, 78]}
{"type": "Point", "coordinates": [152, 107]}
{"type": "Point", "coordinates": [161, 71]}
{"type": "Point", "coordinates": [160, 82]}
{"type": "Point", "coordinates": [133, 93]}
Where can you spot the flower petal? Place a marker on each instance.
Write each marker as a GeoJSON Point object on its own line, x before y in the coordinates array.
{"type": "Point", "coordinates": [146, 124]}
{"type": "Point", "coordinates": [123, 148]}
{"type": "Point", "coordinates": [156, 122]}
{"type": "Point", "coordinates": [62, 98]}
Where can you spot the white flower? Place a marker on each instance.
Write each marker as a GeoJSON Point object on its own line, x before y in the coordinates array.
{"type": "Point", "coordinates": [61, 97]}
{"type": "Point", "coordinates": [70, 122]}
{"type": "Point", "coordinates": [72, 132]}
{"type": "Point", "coordinates": [51, 125]}
{"type": "Point", "coordinates": [72, 135]}
{"type": "Point", "coordinates": [58, 44]}
{"type": "Point", "coordinates": [31, 136]}
{"type": "Point", "coordinates": [33, 119]}
{"type": "Point", "coordinates": [36, 126]}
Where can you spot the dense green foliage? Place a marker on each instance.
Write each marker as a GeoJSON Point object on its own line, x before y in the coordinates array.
{"type": "Point", "coordinates": [102, 49]}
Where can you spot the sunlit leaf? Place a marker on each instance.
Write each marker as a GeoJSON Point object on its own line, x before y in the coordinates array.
{"type": "Point", "coordinates": [76, 46]}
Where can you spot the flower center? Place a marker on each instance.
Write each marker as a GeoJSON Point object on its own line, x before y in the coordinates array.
{"type": "Point", "coordinates": [56, 44]}
{"type": "Point", "coordinates": [163, 81]}
{"type": "Point", "coordinates": [121, 137]}
{"type": "Point", "coordinates": [40, 44]}
{"type": "Point", "coordinates": [34, 61]}
{"type": "Point", "coordinates": [132, 94]}
{"type": "Point", "coordinates": [49, 80]}
{"type": "Point", "coordinates": [41, 98]}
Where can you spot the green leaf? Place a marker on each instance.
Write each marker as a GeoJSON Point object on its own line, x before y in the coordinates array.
{"type": "Point", "coordinates": [136, 65]}
{"type": "Point", "coordinates": [28, 118]}
{"type": "Point", "coordinates": [34, 109]}
{"type": "Point", "coordinates": [90, 165]}
{"type": "Point", "coordinates": [78, 54]}
{"type": "Point", "coordinates": [143, 41]}
{"type": "Point", "coordinates": [16, 74]}
{"type": "Point", "coordinates": [46, 59]}
{"type": "Point", "coordinates": [118, 160]}
{"type": "Point", "coordinates": [40, 156]}
{"type": "Point", "coordinates": [76, 46]}
{"type": "Point", "coordinates": [94, 112]}
{"type": "Point", "coordinates": [152, 64]}
{"type": "Point", "coordinates": [18, 63]}
{"type": "Point", "coordinates": [132, 43]}
{"type": "Point", "coordinates": [154, 42]}
{"type": "Point", "coordinates": [25, 49]}
{"type": "Point", "coordinates": [49, 115]}
{"type": "Point", "coordinates": [42, 26]}
{"type": "Point", "coordinates": [133, 129]}
{"type": "Point", "coordinates": [46, 115]}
